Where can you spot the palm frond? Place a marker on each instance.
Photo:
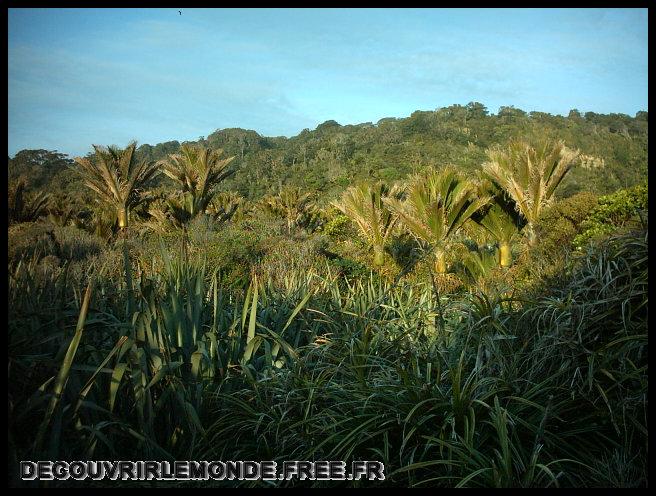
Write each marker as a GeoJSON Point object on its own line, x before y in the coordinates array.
{"type": "Point", "coordinates": [115, 175]}
{"type": "Point", "coordinates": [530, 174]}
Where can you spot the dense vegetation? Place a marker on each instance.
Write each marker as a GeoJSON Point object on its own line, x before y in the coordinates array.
{"type": "Point", "coordinates": [461, 296]}
{"type": "Point", "coordinates": [330, 157]}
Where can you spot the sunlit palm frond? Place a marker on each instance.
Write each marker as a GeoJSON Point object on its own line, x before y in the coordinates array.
{"type": "Point", "coordinates": [437, 206]}
{"type": "Point", "coordinates": [224, 206]}
{"type": "Point", "coordinates": [530, 174]}
{"type": "Point", "coordinates": [296, 207]}
{"type": "Point", "coordinates": [364, 205]}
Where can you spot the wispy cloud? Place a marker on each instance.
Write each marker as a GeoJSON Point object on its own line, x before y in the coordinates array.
{"type": "Point", "coordinates": [112, 75]}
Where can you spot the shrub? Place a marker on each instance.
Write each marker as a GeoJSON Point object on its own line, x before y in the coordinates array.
{"type": "Point", "coordinates": [44, 239]}
{"type": "Point", "coordinates": [284, 256]}
{"type": "Point", "coordinates": [562, 222]}
{"type": "Point", "coordinates": [337, 226]}
{"type": "Point", "coordinates": [233, 250]}
{"type": "Point", "coordinates": [614, 212]}
{"type": "Point", "coordinates": [550, 394]}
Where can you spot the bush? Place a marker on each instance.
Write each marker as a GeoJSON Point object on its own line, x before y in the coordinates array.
{"type": "Point", "coordinates": [562, 222]}
{"type": "Point", "coordinates": [550, 394]}
{"type": "Point", "coordinates": [337, 226]}
{"type": "Point", "coordinates": [285, 256]}
{"type": "Point", "coordinates": [614, 212]}
{"type": "Point", "coordinates": [43, 239]}
{"type": "Point", "coordinates": [233, 250]}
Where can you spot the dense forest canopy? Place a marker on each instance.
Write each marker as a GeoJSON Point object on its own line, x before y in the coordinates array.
{"type": "Point", "coordinates": [329, 158]}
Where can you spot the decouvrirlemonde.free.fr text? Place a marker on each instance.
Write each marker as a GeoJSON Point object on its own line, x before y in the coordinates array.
{"type": "Point", "coordinates": [202, 470]}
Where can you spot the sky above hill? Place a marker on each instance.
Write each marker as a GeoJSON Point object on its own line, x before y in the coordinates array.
{"type": "Point", "coordinates": [106, 76]}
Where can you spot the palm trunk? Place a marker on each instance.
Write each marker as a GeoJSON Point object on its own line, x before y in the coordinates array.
{"type": "Point", "coordinates": [127, 267]}
{"type": "Point", "coordinates": [530, 234]}
{"type": "Point", "coordinates": [379, 256]}
{"type": "Point", "coordinates": [123, 217]}
{"type": "Point", "coordinates": [439, 316]}
{"type": "Point", "coordinates": [439, 271]}
{"type": "Point", "coordinates": [440, 262]}
{"type": "Point", "coordinates": [505, 254]}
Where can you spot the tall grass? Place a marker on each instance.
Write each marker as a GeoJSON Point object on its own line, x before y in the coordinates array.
{"type": "Point", "coordinates": [508, 392]}
{"type": "Point", "coordinates": [549, 393]}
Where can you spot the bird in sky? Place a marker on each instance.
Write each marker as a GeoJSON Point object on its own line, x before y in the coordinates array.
{"type": "Point", "coordinates": [179, 12]}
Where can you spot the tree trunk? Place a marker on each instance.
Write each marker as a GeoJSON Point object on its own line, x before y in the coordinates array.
{"type": "Point", "coordinates": [439, 316]}
{"type": "Point", "coordinates": [505, 254]}
{"type": "Point", "coordinates": [440, 262]}
{"type": "Point", "coordinates": [379, 256]}
{"type": "Point", "coordinates": [123, 217]}
{"type": "Point", "coordinates": [530, 234]}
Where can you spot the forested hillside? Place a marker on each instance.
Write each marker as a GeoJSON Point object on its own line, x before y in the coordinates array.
{"type": "Point", "coordinates": [332, 156]}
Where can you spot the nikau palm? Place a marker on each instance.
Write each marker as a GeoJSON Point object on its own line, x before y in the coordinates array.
{"type": "Point", "coordinates": [117, 178]}
{"type": "Point", "coordinates": [169, 214]}
{"type": "Point", "coordinates": [437, 206]}
{"type": "Point", "coordinates": [291, 203]}
{"type": "Point", "coordinates": [364, 205]}
{"type": "Point", "coordinates": [530, 175]}
{"type": "Point", "coordinates": [500, 219]}
{"type": "Point", "coordinates": [224, 206]}
{"type": "Point", "coordinates": [25, 208]}
{"type": "Point", "coordinates": [198, 170]}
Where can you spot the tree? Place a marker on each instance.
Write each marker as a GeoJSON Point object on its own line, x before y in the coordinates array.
{"type": "Point", "coordinates": [364, 205]}
{"type": "Point", "coordinates": [224, 206]}
{"type": "Point", "coordinates": [63, 211]}
{"type": "Point", "coordinates": [438, 204]}
{"type": "Point", "coordinates": [198, 171]}
{"type": "Point", "coordinates": [23, 207]}
{"type": "Point", "coordinates": [510, 113]}
{"type": "Point", "coordinates": [328, 126]}
{"type": "Point", "coordinates": [476, 110]}
{"type": "Point", "coordinates": [500, 219]}
{"type": "Point", "coordinates": [117, 178]}
{"type": "Point", "coordinates": [295, 206]}
{"type": "Point", "coordinates": [530, 175]}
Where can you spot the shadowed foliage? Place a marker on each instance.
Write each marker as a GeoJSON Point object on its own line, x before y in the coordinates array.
{"type": "Point", "coordinates": [500, 219]}
{"type": "Point", "coordinates": [23, 207]}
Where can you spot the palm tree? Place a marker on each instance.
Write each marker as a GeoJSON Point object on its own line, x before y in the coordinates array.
{"type": "Point", "coordinates": [62, 211]}
{"type": "Point", "coordinates": [500, 219]}
{"type": "Point", "coordinates": [198, 170]}
{"type": "Point", "coordinates": [364, 205]}
{"type": "Point", "coordinates": [478, 261]}
{"type": "Point", "coordinates": [23, 207]}
{"type": "Point", "coordinates": [291, 203]}
{"type": "Point", "coordinates": [117, 178]}
{"type": "Point", "coordinates": [437, 206]}
{"type": "Point", "coordinates": [530, 175]}
{"type": "Point", "coordinates": [224, 206]}
{"type": "Point", "coordinates": [168, 214]}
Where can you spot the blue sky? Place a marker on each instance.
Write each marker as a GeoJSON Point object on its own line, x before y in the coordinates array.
{"type": "Point", "coordinates": [106, 76]}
